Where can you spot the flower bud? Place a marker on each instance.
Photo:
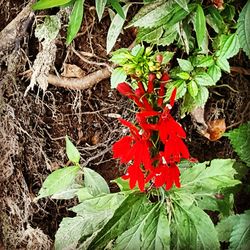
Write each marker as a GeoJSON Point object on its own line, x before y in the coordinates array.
{"type": "Point", "coordinates": [159, 58]}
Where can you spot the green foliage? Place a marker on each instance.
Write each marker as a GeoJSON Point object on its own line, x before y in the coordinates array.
{"type": "Point", "coordinates": [240, 236]}
{"type": "Point", "coordinates": [72, 152]}
{"type": "Point", "coordinates": [46, 4]}
{"type": "Point", "coordinates": [243, 28]}
{"type": "Point", "coordinates": [200, 25]}
{"type": "Point", "coordinates": [61, 183]}
{"type": "Point", "coordinates": [75, 20]}
{"type": "Point", "coordinates": [240, 139]}
{"type": "Point", "coordinates": [100, 6]}
{"type": "Point", "coordinates": [193, 229]}
{"type": "Point", "coordinates": [118, 75]}
{"type": "Point", "coordinates": [116, 28]}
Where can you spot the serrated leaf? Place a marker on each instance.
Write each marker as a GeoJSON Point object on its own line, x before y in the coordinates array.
{"type": "Point", "coordinates": [183, 75]}
{"type": "Point", "coordinates": [92, 214]}
{"type": "Point", "coordinates": [133, 208]}
{"type": "Point", "coordinates": [71, 151]}
{"type": "Point", "coordinates": [115, 28]}
{"type": "Point", "coordinates": [192, 88]}
{"type": "Point", "coordinates": [100, 6]}
{"type": "Point", "coordinates": [204, 79]}
{"type": "Point", "coordinates": [46, 4]}
{"type": "Point", "coordinates": [185, 65]}
{"type": "Point", "coordinates": [215, 20]}
{"type": "Point", "coordinates": [120, 56]}
{"type": "Point", "coordinates": [49, 30]}
{"type": "Point", "coordinates": [150, 13]}
{"type": "Point", "coordinates": [223, 64]}
{"type": "Point", "coordinates": [118, 76]}
{"type": "Point", "coordinates": [168, 36]}
{"type": "Point", "coordinates": [60, 180]}
{"type": "Point", "coordinates": [240, 139]}
{"type": "Point", "coordinates": [183, 4]}
{"type": "Point", "coordinates": [167, 56]}
{"type": "Point", "coordinates": [202, 96]}
{"type": "Point", "coordinates": [95, 183]}
{"type": "Point", "coordinates": [240, 237]}
{"type": "Point", "coordinates": [205, 61]}
{"type": "Point", "coordinates": [229, 46]}
{"type": "Point", "coordinates": [181, 87]}
{"type": "Point", "coordinates": [243, 28]}
{"type": "Point", "coordinates": [225, 227]}
{"type": "Point", "coordinates": [219, 175]}
{"type": "Point", "coordinates": [215, 72]}
{"type": "Point", "coordinates": [200, 25]}
{"type": "Point", "coordinates": [193, 229]}
{"type": "Point", "coordinates": [75, 20]}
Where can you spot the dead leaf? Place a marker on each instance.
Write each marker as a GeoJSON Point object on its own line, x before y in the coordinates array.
{"type": "Point", "coordinates": [216, 129]}
{"type": "Point", "coordinates": [71, 70]}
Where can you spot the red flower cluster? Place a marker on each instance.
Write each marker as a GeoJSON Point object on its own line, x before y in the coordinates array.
{"type": "Point", "coordinates": [149, 159]}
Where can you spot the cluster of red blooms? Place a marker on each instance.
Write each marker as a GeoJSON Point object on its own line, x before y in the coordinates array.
{"type": "Point", "coordinates": [151, 160]}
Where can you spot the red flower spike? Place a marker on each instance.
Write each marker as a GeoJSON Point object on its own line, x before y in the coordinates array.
{"type": "Point", "coordinates": [172, 98]}
{"type": "Point", "coordinates": [161, 95]}
{"type": "Point", "coordinates": [141, 88]}
{"type": "Point", "coordinates": [118, 149]}
{"type": "Point", "coordinates": [165, 77]}
{"type": "Point", "coordinates": [173, 177]}
{"type": "Point", "coordinates": [159, 58]}
{"type": "Point", "coordinates": [151, 78]}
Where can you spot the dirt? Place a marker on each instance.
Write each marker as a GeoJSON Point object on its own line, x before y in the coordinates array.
{"type": "Point", "coordinates": [33, 128]}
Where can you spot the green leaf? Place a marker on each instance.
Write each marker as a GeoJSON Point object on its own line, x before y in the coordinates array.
{"type": "Point", "coordinates": [183, 75]}
{"type": "Point", "coordinates": [202, 96]}
{"type": "Point", "coordinates": [75, 21]}
{"type": "Point", "coordinates": [92, 214]}
{"type": "Point", "coordinates": [223, 63]}
{"type": "Point", "coordinates": [219, 175]}
{"type": "Point", "coordinates": [205, 61]}
{"type": "Point", "coordinates": [122, 184]}
{"type": "Point", "coordinates": [240, 237]}
{"type": "Point", "coordinates": [121, 56]}
{"type": "Point", "coordinates": [204, 79]}
{"type": "Point", "coordinates": [200, 25]}
{"type": "Point", "coordinates": [240, 139]}
{"type": "Point", "coordinates": [133, 209]}
{"type": "Point", "coordinates": [83, 194]}
{"type": "Point", "coordinates": [118, 8]}
{"type": "Point", "coordinates": [59, 181]}
{"type": "Point", "coordinates": [229, 46]}
{"type": "Point", "coordinates": [215, 72]}
{"type": "Point", "coordinates": [49, 30]}
{"type": "Point", "coordinates": [185, 65]}
{"type": "Point", "coordinates": [149, 35]}
{"type": "Point", "coordinates": [193, 229]}
{"type": "Point", "coordinates": [46, 4]}
{"type": "Point", "coordinates": [183, 4]}
{"type": "Point", "coordinates": [215, 20]}
{"type": "Point", "coordinates": [115, 28]}
{"type": "Point", "coordinates": [168, 36]}
{"type": "Point", "coordinates": [181, 87]}
{"type": "Point", "coordinates": [225, 227]}
{"type": "Point", "coordinates": [167, 56]}
{"type": "Point", "coordinates": [100, 6]}
{"type": "Point", "coordinates": [95, 183]}
{"type": "Point", "coordinates": [71, 151]}
{"type": "Point", "coordinates": [193, 88]}
{"type": "Point", "coordinates": [243, 29]}
{"type": "Point", "coordinates": [118, 76]}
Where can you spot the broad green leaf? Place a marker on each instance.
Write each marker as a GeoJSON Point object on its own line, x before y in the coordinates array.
{"type": "Point", "coordinates": [215, 20]}
{"type": "Point", "coordinates": [200, 25]}
{"type": "Point", "coordinates": [118, 76]}
{"type": "Point", "coordinates": [229, 46]}
{"type": "Point", "coordinates": [133, 209]}
{"type": "Point", "coordinates": [188, 104]}
{"type": "Point", "coordinates": [150, 13]}
{"type": "Point", "coordinates": [83, 194]}
{"type": "Point", "coordinates": [240, 139]}
{"type": "Point", "coordinates": [167, 56]}
{"type": "Point", "coordinates": [192, 88]}
{"type": "Point", "coordinates": [243, 28]}
{"type": "Point", "coordinates": [100, 6]}
{"type": "Point", "coordinates": [229, 12]}
{"type": "Point", "coordinates": [193, 229]}
{"type": "Point", "coordinates": [168, 36]}
{"type": "Point", "coordinates": [223, 63]}
{"type": "Point", "coordinates": [92, 214]}
{"type": "Point", "coordinates": [204, 79]}
{"type": "Point", "coordinates": [183, 4]}
{"type": "Point", "coordinates": [95, 183]}
{"type": "Point", "coordinates": [75, 20]}
{"type": "Point", "coordinates": [122, 184]}
{"type": "Point", "coordinates": [46, 4]}
{"type": "Point", "coordinates": [215, 72]}
{"type": "Point", "coordinates": [181, 87]}
{"type": "Point", "coordinates": [219, 175]}
{"type": "Point", "coordinates": [115, 28]}
{"type": "Point", "coordinates": [149, 35]}
{"type": "Point", "coordinates": [183, 75]}
{"type": "Point", "coordinates": [71, 151]}
{"type": "Point", "coordinates": [118, 8]}
{"type": "Point", "coordinates": [185, 65]}
{"type": "Point", "coordinates": [49, 30]}
{"type": "Point", "coordinates": [67, 194]}
{"type": "Point", "coordinates": [240, 237]}
{"type": "Point", "coordinates": [121, 56]}
{"type": "Point", "coordinates": [60, 180]}
{"type": "Point", "coordinates": [202, 96]}
{"type": "Point", "coordinates": [205, 61]}
{"type": "Point", "coordinates": [225, 227]}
